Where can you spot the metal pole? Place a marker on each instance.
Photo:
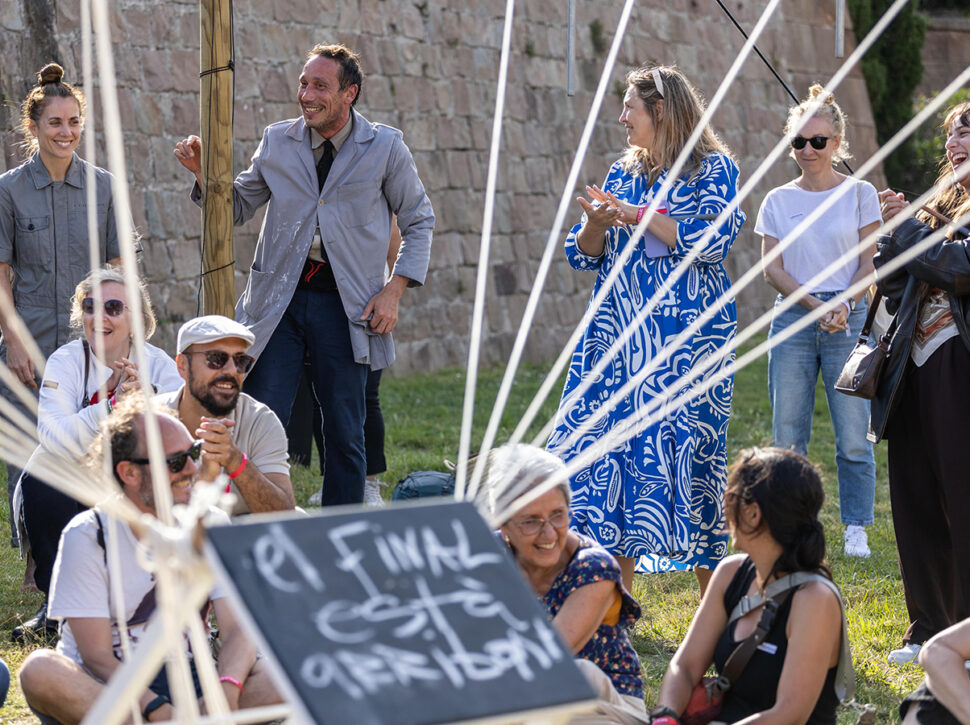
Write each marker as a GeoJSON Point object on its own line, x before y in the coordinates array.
{"type": "Point", "coordinates": [839, 28]}
{"type": "Point", "coordinates": [571, 50]}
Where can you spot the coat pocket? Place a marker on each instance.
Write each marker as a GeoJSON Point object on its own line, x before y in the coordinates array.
{"type": "Point", "coordinates": [358, 203]}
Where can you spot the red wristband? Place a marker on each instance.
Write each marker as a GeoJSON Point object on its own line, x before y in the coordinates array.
{"type": "Point", "coordinates": [664, 720]}
{"type": "Point", "coordinates": [641, 210]}
{"type": "Point", "coordinates": [242, 466]}
{"type": "Point", "coordinates": [232, 681]}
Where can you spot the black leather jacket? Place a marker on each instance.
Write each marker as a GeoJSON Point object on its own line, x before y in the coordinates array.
{"type": "Point", "coordinates": [945, 265]}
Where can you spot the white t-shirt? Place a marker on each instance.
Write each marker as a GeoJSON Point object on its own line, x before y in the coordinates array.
{"type": "Point", "coordinates": [828, 237]}
{"type": "Point", "coordinates": [81, 582]}
{"type": "Point", "coordinates": [258, 433]}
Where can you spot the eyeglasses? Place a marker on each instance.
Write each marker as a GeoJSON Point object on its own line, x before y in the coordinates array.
{"type": "Point", "coordinates": [533, 525]}
{"type": "Point", "coordinates": [818, 142]}
{"type": "Point", "coordinates": [217, 359]}
{"type": "Point", "coordinates": [176, 461]}
{"type": "Point", "coordinates": [113, 308]}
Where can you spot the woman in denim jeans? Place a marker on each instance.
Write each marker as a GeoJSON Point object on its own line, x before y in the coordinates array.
{"type": "Point", "coordinates": [794, 364]}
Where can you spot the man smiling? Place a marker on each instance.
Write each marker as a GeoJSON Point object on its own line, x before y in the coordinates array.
{"type": "Point", "coordinates": [239, 435]}
{"type": "Point", "coordinates": [332, 182]}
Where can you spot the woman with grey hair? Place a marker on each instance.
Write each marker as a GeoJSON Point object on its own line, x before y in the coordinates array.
{"type": "Point", "coordinates": [71, 406]}
{"type": "Point", "coordinates": [576, 579]}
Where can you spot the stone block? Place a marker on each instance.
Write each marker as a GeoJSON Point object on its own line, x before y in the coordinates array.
{"type": "Point", "coordinates": [276, 86]}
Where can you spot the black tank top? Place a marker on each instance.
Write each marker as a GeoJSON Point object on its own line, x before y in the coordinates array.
{"type": "Point", "coordinates": [755, 690]}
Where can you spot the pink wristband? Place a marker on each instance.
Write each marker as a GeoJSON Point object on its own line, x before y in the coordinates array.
{"type": "Point", "coordinates": [232, 681]}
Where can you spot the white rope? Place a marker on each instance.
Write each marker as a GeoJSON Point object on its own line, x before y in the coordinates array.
{"type": "Point", "coordinates": [471, 378]}
{"type": "Point", "coordinates": [755, 272]}
{"type": "Point", "coordinates": [780, 147]}
{"type": "Point", "coordinates": [615, 273]}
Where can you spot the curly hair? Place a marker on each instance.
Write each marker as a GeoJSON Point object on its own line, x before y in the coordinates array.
{"type": "Point", "coordinates": [951, 199]}
{"type": "Point", "coordinates": [110, 274]}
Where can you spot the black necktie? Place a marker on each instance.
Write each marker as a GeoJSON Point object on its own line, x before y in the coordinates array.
{"type": "Point", "coordinates": [324, 164]}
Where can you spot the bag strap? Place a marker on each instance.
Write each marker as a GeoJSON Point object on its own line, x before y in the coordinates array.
{"type": "Point", "coordinates": [844, 675]}
{"type": "Point", "coordinates": [86, 401]}
{"type": "Point", "coordinates": [871, 317]}
{"type": "Point", "coordinates": [738, 659]}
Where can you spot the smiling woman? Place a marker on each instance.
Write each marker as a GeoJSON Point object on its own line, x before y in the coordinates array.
{"type": "Point", "coordinates": [577, 580]}
{"type": "Point", "coordinates": [43, 227]}
{"type": "Point", "coordinates": [82, 381]}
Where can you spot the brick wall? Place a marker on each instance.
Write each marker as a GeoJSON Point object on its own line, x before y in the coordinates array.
{"type": "Point", "coordinates": [431, 71]}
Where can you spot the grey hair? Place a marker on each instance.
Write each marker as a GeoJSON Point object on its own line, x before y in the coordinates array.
{"type": "Point", "coordinates": [515, 470]}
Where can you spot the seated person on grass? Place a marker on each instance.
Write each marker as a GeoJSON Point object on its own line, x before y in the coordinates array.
{"type": "Point", "coordinates": [240, 436]}
{"type": "Point", "coordinates": [944, 696]}
{"type": "Point", "coordinates": [61, 685]}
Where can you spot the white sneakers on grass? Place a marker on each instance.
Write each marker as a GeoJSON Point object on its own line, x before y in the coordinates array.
{"type": "Point", "coordinates": [372, 493]}
{"type": "Point", "coordinates": [856, 542]}
{"type": "Point", "coordinates": [905, 655]}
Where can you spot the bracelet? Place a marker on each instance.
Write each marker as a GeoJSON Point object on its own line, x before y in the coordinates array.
{"type": "Point", "coordinates": [153, 706]}
{"type": "Point", "coordinates": [664, 715]}
{"type": "Point", "coordinates": [848, 307]}
{"type": "Point", "coordinates": [232, 681]}
{"type": "Point", "coordinates": [641, 210]}
{"type": "Point", "coordinates": [242, 466]}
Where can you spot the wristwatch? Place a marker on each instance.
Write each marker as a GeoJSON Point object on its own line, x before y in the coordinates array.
{"type": "Point", "coordinates": [851, 302]}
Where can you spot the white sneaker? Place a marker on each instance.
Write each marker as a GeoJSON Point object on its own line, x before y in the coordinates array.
{"type": "Point", "coordinates": [904, 655]}
{"type": "Point", "coordinates": [372, 492]}
{"type": "Point", "coordinates": [856, 542]}
{"type": "Point", "coordinates": [316, 499]}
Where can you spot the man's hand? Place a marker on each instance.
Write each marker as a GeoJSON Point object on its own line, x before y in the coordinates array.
{"type": "Point", "coordinates": [218, 450]}
{"type": "Point", "coordinates": [189, 153]}
{"type": "Point", "coordinates": [19, 363]}
{"type": "Point", "coordinates": [382, 308]}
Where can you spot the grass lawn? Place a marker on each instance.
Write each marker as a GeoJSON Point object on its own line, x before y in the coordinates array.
{"type": "Point", "coordinates": [423, 413]}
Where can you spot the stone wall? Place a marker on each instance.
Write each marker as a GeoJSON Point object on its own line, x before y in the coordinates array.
{"type": "Point", "coordinates": [431, 71]}
{"type": "Point", "coordinates": [946, 50]}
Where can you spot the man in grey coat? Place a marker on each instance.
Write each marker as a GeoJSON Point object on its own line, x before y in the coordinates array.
{"type": "Point", "coordinates": [333, 182]}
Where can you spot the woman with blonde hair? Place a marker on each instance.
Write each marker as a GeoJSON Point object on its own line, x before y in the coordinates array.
{"type": "Point", "coordinates": [655, 501]}
{"type": "Point", "coordinates": [795, 363]}
{"type": "Point", "coordinates": [924, 394]}
{"type": "Point", "coordinates": [82, 381]}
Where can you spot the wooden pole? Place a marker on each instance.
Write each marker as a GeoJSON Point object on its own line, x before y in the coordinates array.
{"type": "Point", "coordinates": [218, 254]}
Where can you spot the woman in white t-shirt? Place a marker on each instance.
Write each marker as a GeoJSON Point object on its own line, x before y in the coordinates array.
{"type": "Point", "coordinates": [795, 363]}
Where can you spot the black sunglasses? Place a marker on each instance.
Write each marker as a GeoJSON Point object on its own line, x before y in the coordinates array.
{"type": "Point", "coordinates": [818, 142]}
{"type": "Point", "coordinates": [113, 308]}
{"type": "Point", "coordinates": [217, 359]}
{"type": "Point", "coordinates": [176, 461]}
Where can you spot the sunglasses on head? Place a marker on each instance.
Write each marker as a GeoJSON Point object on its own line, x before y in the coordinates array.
{"type": "Point", "coordinates": [217, 359]}
{"type": "Point", "coordinates": [113, 308]}
{"type": "Point", "coordinates": [176, 461]}
{"type": "Point", "coordinates": [818, 142]}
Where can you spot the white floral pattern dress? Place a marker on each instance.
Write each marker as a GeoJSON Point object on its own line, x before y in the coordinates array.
{"type": "Point", "coordinates": [658, 497]}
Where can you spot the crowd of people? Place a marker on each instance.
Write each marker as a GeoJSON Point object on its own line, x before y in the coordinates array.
{"type": "Point", "coordinates": [348, 229]}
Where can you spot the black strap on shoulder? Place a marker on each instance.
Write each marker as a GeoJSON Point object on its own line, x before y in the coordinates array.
{"type": "Point", "coordinates": [86, 401]}
{"type": "Point", "coordinates": [100, 537]}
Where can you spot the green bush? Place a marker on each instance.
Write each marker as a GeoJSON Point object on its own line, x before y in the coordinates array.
{"type": "Point", "coordinates": [892, 69]}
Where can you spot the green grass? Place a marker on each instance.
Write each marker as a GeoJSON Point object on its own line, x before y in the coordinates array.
{"type": "Point", "coordinates": [422, 415]}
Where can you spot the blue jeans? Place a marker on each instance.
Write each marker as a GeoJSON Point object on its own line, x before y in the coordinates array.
{"type": "Point", "coordinates": [793, 368]}
{"type": "Point", "coordinates": [315, 325]}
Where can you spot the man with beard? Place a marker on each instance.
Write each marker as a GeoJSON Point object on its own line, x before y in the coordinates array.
{"type": "Point", "coordinates": [331, 181]}
{"type": "Point", "coordinates": [61, 685]}
{"type": "Point", "coordinates": [240, 436]}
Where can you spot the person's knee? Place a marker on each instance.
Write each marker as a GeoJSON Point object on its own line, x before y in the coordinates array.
{"type": "Point", "coordinates": [38, 674]}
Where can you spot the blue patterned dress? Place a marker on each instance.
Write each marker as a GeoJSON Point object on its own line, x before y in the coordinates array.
{"type": "Point", "coordinates": [659, 496]}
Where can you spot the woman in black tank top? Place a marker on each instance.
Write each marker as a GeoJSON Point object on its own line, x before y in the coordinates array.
{"type": "Point", "coordinates": [772, 504]}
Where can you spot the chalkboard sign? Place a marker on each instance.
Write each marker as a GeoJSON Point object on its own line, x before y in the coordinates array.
{"type": "Point", "coordinates": [407, 614]}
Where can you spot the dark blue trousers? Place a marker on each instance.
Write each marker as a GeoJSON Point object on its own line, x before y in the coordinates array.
{"type": "Point", "coordinates": [315, 325]}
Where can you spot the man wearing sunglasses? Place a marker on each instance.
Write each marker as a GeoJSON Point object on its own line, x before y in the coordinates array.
{"type": "Point", "coordinates": [240, 436]}
{"type": "Point", "coordinates": [61, 685]}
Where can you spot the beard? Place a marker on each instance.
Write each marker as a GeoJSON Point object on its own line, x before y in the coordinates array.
{"type": "Point", "coordinates": [215, 403]}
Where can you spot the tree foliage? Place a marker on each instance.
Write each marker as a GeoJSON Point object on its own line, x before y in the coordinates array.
{"type": "Point", "coordinates": [892, 69]}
